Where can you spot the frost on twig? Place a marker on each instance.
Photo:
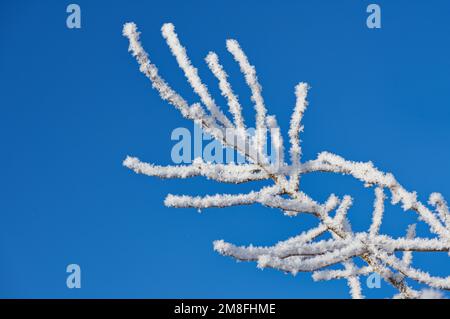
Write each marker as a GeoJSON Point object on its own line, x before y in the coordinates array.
{"type": "Point", "coordinates": [327, 259]}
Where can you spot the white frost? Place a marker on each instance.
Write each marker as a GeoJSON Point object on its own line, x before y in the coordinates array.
{"type": "Point", "coordinates": [308, 251]}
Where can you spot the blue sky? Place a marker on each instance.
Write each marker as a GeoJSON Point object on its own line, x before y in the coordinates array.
{"type": "Point", "coordinates": [73, 105]}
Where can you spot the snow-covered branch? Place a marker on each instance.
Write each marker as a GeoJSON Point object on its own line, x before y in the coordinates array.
{"type": "Point", "coordinates": [310, 251]}
{"type": "Point", "coordinates": [377, 211]}
{"type": "Point", "coordinates": [225, 173]}
{"type": "Point", "coordinates": [295, 129]}
{"type": "Point", "coordinates": [341, 274]}
{"type": "Point", "coordinates": [222, 200]}
{"type": "Point", "coordinates": [179, 52]}
{"type": "Point", "coordinates": [235, 108]}
{"type": "Point", "coordinates": [250, 77]}
{"type": "Point", "coordinates": [439, 202]}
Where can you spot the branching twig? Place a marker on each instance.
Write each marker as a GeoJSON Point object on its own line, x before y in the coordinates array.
{"type": "Point", "coordinates": [302, 253]}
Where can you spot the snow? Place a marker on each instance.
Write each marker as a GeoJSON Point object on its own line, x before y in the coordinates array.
{"type": "Point", "coordinates": [277, 139]}
{"type": "Point", "coordinates": [250, 77]}
{"type": "Point", "coordinates": [235, 108]}
{"type": "Point", "coordinates": [191, 73]}
{"type": "Point", "coordinates": [305, 252]}
{"type": "Point", "coordinates": [428, 293]}
{"type": "Point", "coordinates": [377, 212]}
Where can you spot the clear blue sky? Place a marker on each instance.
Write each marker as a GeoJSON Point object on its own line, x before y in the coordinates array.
{"type": "Point", "coordinates": [73, 105]}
